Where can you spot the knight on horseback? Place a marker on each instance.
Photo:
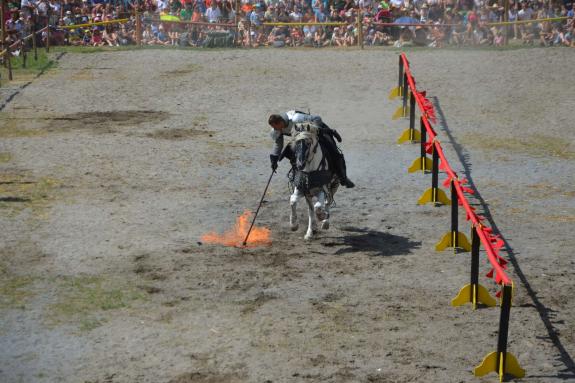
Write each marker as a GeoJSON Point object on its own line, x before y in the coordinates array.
{"type": "Point", "coordinates": [283, 124]}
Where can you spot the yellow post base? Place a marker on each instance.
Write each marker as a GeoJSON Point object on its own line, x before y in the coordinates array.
{"type": "Point", "coordinates": [489, 364]}
{"type": "Point", "coordinates": [400, 112]}
{"type": "Point", "coordinates": [468, 294]}
{"type": "Point", "coordinates": [422, 163]}
{"type": "Point", "coordinates": [396, 92]}
{"type": "Point", "coordinates": [411, 135]}
{"type": "Point", "coordinates": [434, 195]}
{"type": "Point", "coordinates": [450, 240]}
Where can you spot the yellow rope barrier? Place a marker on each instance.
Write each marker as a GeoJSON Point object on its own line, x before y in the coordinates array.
{"type": "Point", "coordinates": [528, 21]}
{"type": "Point", "coordinates": [119, 21]}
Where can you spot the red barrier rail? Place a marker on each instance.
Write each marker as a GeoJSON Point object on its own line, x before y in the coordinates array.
{"type": "Point", "coordinates": [500, 361]}
{"type": "Point", "coordinates": [485, 233]}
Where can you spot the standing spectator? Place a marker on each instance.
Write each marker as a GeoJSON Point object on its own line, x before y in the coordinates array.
{"type": "Point", "coordinates": [68, 19]}
{"type": "Point", "coordinates": [256, 20]}
{"type": "Point", "coordinates": [186, 12]}
{"type": "Point", "coordinates": [213, 13]}
{"type": "Point", "coordinates": [512, 16]}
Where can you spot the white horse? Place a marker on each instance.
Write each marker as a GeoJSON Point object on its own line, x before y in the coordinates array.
{"type": "Point", "coordinates": [313, 178]}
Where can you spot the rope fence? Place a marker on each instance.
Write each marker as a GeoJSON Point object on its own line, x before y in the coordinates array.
{"type": "Point", "coordinates": [6, 54]}
{"type": "Point", "coordinates": [144, 30]}
{"type": "Point", "coordinates": [500, 361]}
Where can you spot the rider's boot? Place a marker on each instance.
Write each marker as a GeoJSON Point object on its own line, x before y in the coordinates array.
{"type": "Point", "coordinates": [346, 182]}
{"type": "Point", "coordinates": [342, 173]}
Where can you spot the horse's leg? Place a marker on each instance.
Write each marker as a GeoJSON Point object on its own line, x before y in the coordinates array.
{"type": "Point", "coordinates": [322, 211]}
{"type": "Point", "coordinates": [293, 203]}
{"type": "Point", "coordinates": [312, 223]}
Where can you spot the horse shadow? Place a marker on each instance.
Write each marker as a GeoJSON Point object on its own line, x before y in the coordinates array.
{"type": "Point", "coordinates": [378, 243]}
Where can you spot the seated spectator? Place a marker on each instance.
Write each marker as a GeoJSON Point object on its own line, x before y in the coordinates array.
{"type": "Point", "coordinates": [320, 38]}
{"type": "Point", "coordinates": [338, 38]}
{"type": "Point", "coordinates": [349, 36]}
{"type": "Point", "coordinates": [109, 36]}
{"type": "Point", "coordinates": [382, 37]}
{"type": "Point", "coordinates": [296, 37]}
{"type": "Point", "coordinates": [96, 40]}
{"type": "Point", "coordinates": [498, 40]}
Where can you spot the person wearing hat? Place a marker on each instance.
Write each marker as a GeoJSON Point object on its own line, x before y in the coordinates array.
{"type": "Point", "coordinates": [282, 125]}
{"type": "Point", "coordinates": [383, 14]}
{"type": "Point", "coordinates": [68, 19]}
{"type": "Point", "coordinates": [423, 14]}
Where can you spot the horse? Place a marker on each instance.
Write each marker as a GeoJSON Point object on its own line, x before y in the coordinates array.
{"type": "Point", "coordinates": [312, 178]}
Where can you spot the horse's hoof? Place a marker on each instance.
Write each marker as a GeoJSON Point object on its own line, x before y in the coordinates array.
{"type": "Point", "coordinates": [308, 237]}
{"type": "Point", "coordinates": [294, 227]}
{"type": "Point", "coordinates": [325, 225]}
{"type": "Point", "coordinates": [320, 214]}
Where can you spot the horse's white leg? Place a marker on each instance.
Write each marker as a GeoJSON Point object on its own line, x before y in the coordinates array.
{"type": "Point", "coordinates": [293, 203]}
{"type": "Point", "coordinates": [322, 211]}
{"type": "Point", "coordinates": [312, 223]}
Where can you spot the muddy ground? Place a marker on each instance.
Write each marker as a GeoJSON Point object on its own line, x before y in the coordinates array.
{"type": "Point", "coordinates": [114, 164]}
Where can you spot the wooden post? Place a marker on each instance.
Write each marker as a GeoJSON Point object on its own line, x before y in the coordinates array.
{"type": "Point", "coordinates": [359, 29]}
{"type": "Point", "coordinates": [34, 45]}
{"type": "Point", "coordinates": [48, 35]}
{"type": "Point", "coordinates": [9, 62]}
{"type": "Point", "coordinates": [138, 26]}
{"type": "Point", "coordinates": [23, 52]}
{"type": "Point", "coordinates": [3, 36]}
{"type": "Point", "coordinates": [506, 18]}
{"type": "Point", "coordinates": [236, 21]}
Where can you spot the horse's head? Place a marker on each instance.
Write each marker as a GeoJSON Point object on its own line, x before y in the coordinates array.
{"type": "Point", "coordinates": [304, 144]}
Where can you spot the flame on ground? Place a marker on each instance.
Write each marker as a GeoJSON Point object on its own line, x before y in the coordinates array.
{"type": "Point", "coordinates": [235, 237]}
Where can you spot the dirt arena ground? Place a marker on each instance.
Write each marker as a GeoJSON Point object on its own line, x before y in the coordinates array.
{"type": "Point", "coordinates": [114, 164]}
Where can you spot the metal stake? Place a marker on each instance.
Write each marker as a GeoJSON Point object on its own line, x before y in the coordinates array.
{"type": "Point", "coordinates": [258, 209]}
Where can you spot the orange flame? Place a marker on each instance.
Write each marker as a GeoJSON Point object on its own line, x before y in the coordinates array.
{"type": "Point", "coordinates": [258, 236]}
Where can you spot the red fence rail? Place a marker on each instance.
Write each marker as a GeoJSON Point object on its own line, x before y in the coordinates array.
{"type": "Point", "coordinates": [501, 361]}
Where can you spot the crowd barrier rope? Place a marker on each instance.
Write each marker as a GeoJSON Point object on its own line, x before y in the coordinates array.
{"type": "Point", "coordinates": [500, 361]}
{"type": "Point", "coordinates": [87, 25]}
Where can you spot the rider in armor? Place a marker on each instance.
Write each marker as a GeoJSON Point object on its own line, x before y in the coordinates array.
{"type": "Point", "coordinates": [282, 125]}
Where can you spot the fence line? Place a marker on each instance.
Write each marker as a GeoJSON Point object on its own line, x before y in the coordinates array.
{"type": "Point", "coordinates": [118, 21]}
{"type": "Point", "coordinates": [6, 54]}
{"type": "Point", "coordinates": [500, 361]}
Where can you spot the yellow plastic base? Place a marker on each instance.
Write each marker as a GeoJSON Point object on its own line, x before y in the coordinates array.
{"type": "Point", "coordinates": [450, 240]}
{"type": "Point", "coordinates": [467, 294]}
{"type": "Point", "coordinates": [411, 135]}
{"type": "Point", "coordinates": [422, 163]}
{"type": "Point", "coordinates": [400, 112]}
{"type": "Point", "coordinates": [434, 195]}
{"type": "Point", "coordinates": [489, 364]}
{"type": "Point", "coordinates": [396, 92]}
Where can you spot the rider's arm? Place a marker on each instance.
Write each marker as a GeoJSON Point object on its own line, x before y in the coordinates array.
{"type": "Point", "coordinates": [278, 142]}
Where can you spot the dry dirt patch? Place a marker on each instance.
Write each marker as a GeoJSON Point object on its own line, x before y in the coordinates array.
{"type": "Point", "coordinates": [99, 121]}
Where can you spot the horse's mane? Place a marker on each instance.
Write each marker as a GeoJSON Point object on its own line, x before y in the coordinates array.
{"type": "Point", "coordinates": [305, 130]}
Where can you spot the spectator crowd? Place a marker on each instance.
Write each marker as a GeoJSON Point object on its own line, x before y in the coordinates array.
{"type": "Point", "coordinates": [434, 23]}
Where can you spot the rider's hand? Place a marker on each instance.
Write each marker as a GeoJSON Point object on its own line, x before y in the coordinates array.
{"type": "Point", "coordinates": [274, 161]}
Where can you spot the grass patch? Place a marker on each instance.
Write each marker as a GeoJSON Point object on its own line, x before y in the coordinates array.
{"type": "Point", "coordinates": [82, 301]}
{"type": "Point", "coordinates": [33, 67]}
{"type": "Point", "coordinates": [536, 145]}
{"type": "Point", "coordinates": [5, 157]}
{"type": "Point", "coordinates": [14, 291]}
{"type": "Point", "coordinates": [16, 127]}
{"type": "Point", "coordinates": [18, 191]}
